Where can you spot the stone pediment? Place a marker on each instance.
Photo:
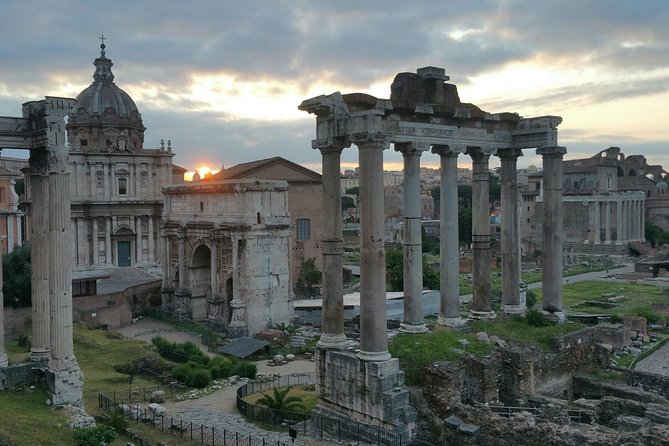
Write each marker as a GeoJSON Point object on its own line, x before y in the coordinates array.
{"type": "Point", "coordinates": [276, 168]}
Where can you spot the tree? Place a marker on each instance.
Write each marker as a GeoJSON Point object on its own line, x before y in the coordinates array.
{"type": "Point", "coordinates": [279, 402]}
{"type": "Point", "coordinates": [465, 225]}
{"type": "Point", "coordinates": [395, 272]}
{"type": "Point", "coordinates": [16, 274]}
{"type": "Point", "coordinates": [656, 235]}
{"type": "Point", "coordinates": [347, 202]}
{"type": "Point", "coordinates": [309, 277]}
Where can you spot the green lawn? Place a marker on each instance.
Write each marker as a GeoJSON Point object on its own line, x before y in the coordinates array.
{"type": "Point", "coordinates": [636, 299]}
{"type": "Point", "coordinates": [516, 329]}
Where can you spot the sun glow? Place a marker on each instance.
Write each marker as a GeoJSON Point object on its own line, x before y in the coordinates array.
{"type": "Point", "coordinates": [201, 171]}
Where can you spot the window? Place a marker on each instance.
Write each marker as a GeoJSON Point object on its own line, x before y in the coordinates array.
{"type": "Point", "coordinates": [303, 229]}
{"type": "Point", "coordinates": [2, 194]}
{"type": "Point", "coordinates": [83, 142]}
{"type": "Point", "coordinates": [201, 206]}
{"type": "Point", "coordinates": [122, 186]}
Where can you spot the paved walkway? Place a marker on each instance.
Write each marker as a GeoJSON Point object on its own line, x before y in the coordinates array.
{"type": "Point", "coordinates": [658, 362]}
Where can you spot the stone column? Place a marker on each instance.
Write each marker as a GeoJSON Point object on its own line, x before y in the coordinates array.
{"type": "Point", "coordinates": [183, 293]}
{"type": "Point", "coordinates": [94, 242]}
{"type": "Point", "coordinates": [511, 302]}
{"type": "Point", "coordinates": [643, 220]}
{"type": "Point", "coordinates": [607, 222]}
{"type": "Point", "coordinates": [93, 181]}
{"type": "Point", "coordinates": [482, 305]}
{"type": "Point", "coordinates": [108, 247]}
{"type": "Point", "coordinates": [619, 222]}
{"type": "Point", "coordinates": [411, 239]}
{"type": "Point", "coordinates": [166, 289]}
{"type": "Point", "coordinates": [4, 361]}
{"type": "Point", "coordinates": [332, 336]}
{"type": "Point", "coordinates": [152, 248]}
{"type": "Point", "coordinates": [138, 240]}
{"type": "Point", "coordinates": [449, 252]}
{"type": "Point", "coordinates": [597, 224]}
{"type": "Point", "coordinates": [39, 242]}
{"type": "Point", "coordinates": [237, 326]}
{"type": "Point", "coordinates": [552, 234]}
{"type": "Point", "coordinates": [215, 299]}
{"type": "Point", "coordinates": [81, 242]}
{"type": "Point", "coordinates": [373, 327]}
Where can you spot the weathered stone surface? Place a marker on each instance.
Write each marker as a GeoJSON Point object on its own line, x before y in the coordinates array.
{"type": "Point", "coordinates": [157, 396]}
{"type": "Point", "coordinates": [156, 408]}
{"type": "Point", "coordinates": [625, 423]}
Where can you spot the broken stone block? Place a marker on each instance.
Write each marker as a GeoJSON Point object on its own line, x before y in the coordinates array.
{"type": "Point", "coordinates": [607, 347]}
{"type": "Point", "coordinates": [453, 421]}
{"type": "Point", "coordinates": [468, 429]}
{"type": "Point", "coordinates": [157, 396]}
{"type": "Point", "coordinates": [157, 408]}
{"type": "Point", "coordinates": [498, 341]}
{"type": "Point", "coordinates": [482, 336]}
{"type": "Point", "coordinates": [628, 423]}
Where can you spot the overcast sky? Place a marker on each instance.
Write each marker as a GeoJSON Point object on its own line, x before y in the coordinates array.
{"type": "Point", "coordinates": [223, 79]}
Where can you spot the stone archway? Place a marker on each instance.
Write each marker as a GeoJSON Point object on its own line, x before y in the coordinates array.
{"type": "Point", "coordinates": [200, 281]}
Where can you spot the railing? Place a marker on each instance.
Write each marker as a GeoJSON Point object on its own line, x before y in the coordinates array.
{"type": "Point", "coordinates": [312, 424]}
{"type": "Point", "coordinates": [196, 432]}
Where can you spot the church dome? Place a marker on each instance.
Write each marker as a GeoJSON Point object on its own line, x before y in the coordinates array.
{"type": "Point", "coordinates": [104, 112]}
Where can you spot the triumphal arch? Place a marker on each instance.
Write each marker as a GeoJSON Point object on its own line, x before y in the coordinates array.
{"type": "Point", "coordinates": [424, 114]}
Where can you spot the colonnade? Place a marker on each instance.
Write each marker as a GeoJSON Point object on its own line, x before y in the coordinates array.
{"type": "Point", "coordinates": [373, 338]}
{"type": "Point", "coordinates": [629, 211]}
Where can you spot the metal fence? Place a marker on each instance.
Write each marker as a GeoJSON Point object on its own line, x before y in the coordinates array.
{"type": "Point", "coordinates": [196, 432]}
{"type": "Point", "coordinates": [313, 424]}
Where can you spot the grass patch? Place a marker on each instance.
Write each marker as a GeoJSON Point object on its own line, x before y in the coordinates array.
{"type": "Point", "coordinates": [516, 329]}
{"type": "Point", "coordinates": [605, 375]}
{"type": "Point", "coordinates": [28, 421]}
{"type": "Point", "coordinates": [417, 351]}
{"type": "Point", "coordinates": [16, 352]}
{"type": "Point", "coordinates": [637, 298]}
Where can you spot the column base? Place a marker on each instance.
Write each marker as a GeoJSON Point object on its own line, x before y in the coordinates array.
{"type": "Point", "coordinates": [559, 317]}
{"type": "Point", "coordinates": [406, 327]}
{"type": "Point", "coordinates": [453, 322]}
{"type": "Point", "coordinates": [374, 356]}
{"type": "Point", "coordinates": [66, 386]}
{"type": "Point", "coordinates": [237, 331]}
{"type": "Point", "coordinates": [333, 341]}
{"type": "Point", "coordinates": [39, 355]}
{"type": "Point", "coordinates": [513, 309]}
{"type": "Point", "coordinates": [482, 315]}
{"type": "Point", "coordinates": [4, 360]}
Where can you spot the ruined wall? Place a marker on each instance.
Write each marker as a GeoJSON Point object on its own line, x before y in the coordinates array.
{"type": "Point", "coordinates": [20, 374]}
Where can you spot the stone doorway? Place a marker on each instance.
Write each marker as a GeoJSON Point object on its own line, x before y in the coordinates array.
{"type": "Point", "coordinates": [200, 281]}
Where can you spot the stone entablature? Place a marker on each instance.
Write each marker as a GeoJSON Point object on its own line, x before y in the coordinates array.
{"type": "Point", "coordinates": [227, 253]}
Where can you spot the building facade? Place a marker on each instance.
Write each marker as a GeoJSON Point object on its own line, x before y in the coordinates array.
{"type": "Point", "coordinates": [11, 229]}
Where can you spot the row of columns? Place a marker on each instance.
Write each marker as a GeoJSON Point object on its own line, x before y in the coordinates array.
{"type": "Point", "coordinates": [373, 333]}
{"type": "Point", "coordinates": [630, 220]}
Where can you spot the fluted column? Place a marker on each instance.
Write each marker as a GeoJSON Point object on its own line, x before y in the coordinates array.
{"type": "Point", "coordinates": [94, 243]}
{"type": "Point", "coordinates": [482, 304]}
{"type": "Point", "coordinates": [108, 247]}
{"type": "Point", "coordinates": [81, 242]}
{"type": "Point", "coordinates": [373, 327]}
{"type": "Point", "coordinates": [511, 303]}
{"type": "Point", "coordinates": [138, 240]}
{"type": "Point", "coordinates": [411, 239]}
{"type": "Point", "coordinates": [643, 220]}
{"type": "Point", "coordinates": [237, 326]}
{"type": "Point", "coordinates": [39, 243]}
{"type": "Point", "coordinates": [152, 247]}
{"type": "Point", "coordinates": [332, 335]}
{"type": "Point", "coordinates": [4, 361]}
{"type": "Point", "coordinates": [166, 288]}
{"type": "Point", "coordinates": [449, 253]}
{"type": "Point", "coordinates": [552, 230]}
{"type": "Point", "coordinates": [183, 271]}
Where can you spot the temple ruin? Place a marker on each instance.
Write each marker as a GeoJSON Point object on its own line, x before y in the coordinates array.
{"type": "Point", "coordinates": [424, 113]}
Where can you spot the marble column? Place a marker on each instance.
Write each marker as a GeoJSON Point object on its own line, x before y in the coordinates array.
{"type": "Point", "coordinates": [237, 326]}
{"type": "Point", "coordinates": [183, 294]}
{"type": "Point", "coordinates": [108, 247]}
{"type": "Point", "coordinates": [39, 242]}
{"type": "Point", "coordinates": [597, 224]}
{"type": "Point", "coordinates": [643, 220]}
{"type": "Point", "coordinates": [93, 180]}
{"type": "Point", "coordinates": [4, 361]}
{"type": "Point", "coordinates": [449, 252]}
{"type": "Point", "coordinates": [373, 327]}
{"type": "Point", "coordinates": [511, 303]}
{"type": "Point", "coordinates": [81, 242]}
{"type": "Point", "coordinates": [619, 222]}
{"type": "Point", "coordinates": [151, 240]}
{"type": "Point", "coordinates": [607, 222]}
{"type": "Point", "coordinates": [166, 288]}
{"type": "Point", "coordinates": [94, 242]}
{"type": "Point", "coordinates": [332, 331]}
{"type": "Point", "coordinates": [552, 234]}
{"type": "Point", "coordinates": [411, 239]}
{"type": "Point", "coordinates": [215, 299]}
{"type": "Point", "coordinates": [138, 241]}
{"type": "Point", "coordinates": [482, 303]}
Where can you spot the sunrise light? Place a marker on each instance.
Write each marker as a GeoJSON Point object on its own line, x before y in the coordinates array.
{"type": "Point", "coordinates": [202, 171]}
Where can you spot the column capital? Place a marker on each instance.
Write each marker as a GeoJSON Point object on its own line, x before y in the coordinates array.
{"type": "Point", "coordinates": [332, 144]}
{"type": "Point", "coordinates": [509, 154]}
{"type": "Point", "coordinates": [367, 139]}
{"type": "Point", "coordinates": [551, 151]}
{"type": "Point", "coordinates": [411, 148]}
{"type": "Point", "coordinates": [480, 154]}
{"type": "Point", "coordinates": [446, 150]}
{"type": "Point", "coordinates": [182, 234]}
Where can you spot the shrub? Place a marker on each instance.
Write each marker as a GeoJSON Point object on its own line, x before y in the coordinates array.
{"type": "Point", "coordinates": [536, 319]}
{"type": "Point", "coordinates": [246, 369]}
{"type": "Point", "coordinates": [94, 436]}
{"type": "Point", "coordinates": [116, 420]}
{"type": "Point", "coordinates": [530, 299]}
{"type": "Point", "coordinates": [179, 351]}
